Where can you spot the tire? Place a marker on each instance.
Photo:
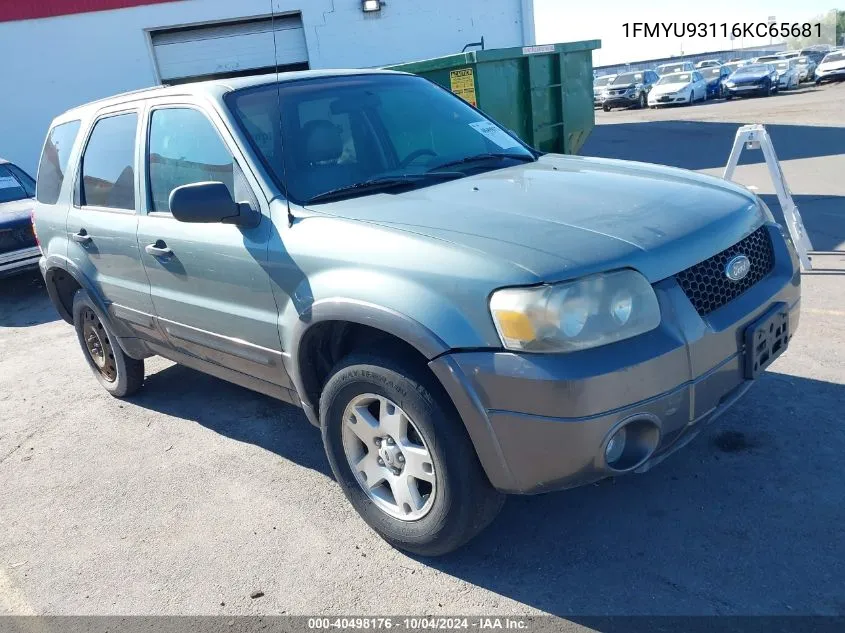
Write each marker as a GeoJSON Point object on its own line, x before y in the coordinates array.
{"type": "Point", "coordinates": [606, 108]}
{"type": "Point", "coordinates": [463, 500]}
{"type": "Point", "coordinates": [643, 103]}
{"type": "Point", "coordinates": [119, 374]}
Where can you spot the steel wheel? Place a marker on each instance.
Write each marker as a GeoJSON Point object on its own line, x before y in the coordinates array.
{"type": "Point", "coordinates": [98, 345]}
{"type": "Point", "coordinates": [388, 457]}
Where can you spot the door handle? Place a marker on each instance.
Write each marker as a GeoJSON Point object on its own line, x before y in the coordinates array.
{"type": "Point", "coordinates": [82, 237]}
{"type": "Point", "coordinates": [159, 249]}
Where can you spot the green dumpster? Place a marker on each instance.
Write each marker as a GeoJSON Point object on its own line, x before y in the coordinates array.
{"type": "Point", "coordinates": [542, 93]}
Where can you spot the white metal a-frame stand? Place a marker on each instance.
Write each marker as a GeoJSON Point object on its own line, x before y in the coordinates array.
{"type": "Point", "coordinates": [756, 137]}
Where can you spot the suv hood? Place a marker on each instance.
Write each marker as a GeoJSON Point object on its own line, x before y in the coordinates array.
{"type": "Point", "coordinates": [565, 216]}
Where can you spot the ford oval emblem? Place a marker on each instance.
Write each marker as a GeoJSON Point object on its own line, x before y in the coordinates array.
{"type": "Point", "coordinates": [737, 268]}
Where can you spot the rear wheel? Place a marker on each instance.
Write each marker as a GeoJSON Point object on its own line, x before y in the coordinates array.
{"type": "Point", "coordinates": [402, 456]}
{"type": "Point", "coordinates": [119, 374]}
{"type": "Point", "coordinates": [643, 101]}
{"type": "Point", "coordinates": [606, 108]}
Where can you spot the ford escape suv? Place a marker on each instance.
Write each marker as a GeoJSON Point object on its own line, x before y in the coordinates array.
{"type": "Point", "coordinates": [460, 315]}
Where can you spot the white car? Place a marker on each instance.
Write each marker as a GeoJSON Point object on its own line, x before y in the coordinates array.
{"type": "Point", "coordinates": [674, 67]}
{"type": "Point", "coordinates": [707, 63]}
{"type": "Point", "coordinates": [685, 88]}
{"type": "Point", "coordinates": [832, 67]}
{"type": "Point", "coordinates": [789, 75]}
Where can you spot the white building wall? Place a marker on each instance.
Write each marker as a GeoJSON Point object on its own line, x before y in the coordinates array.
{"type": "Point", "coordinates": [55, 63]}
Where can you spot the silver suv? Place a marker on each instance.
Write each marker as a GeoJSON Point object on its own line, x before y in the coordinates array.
{"type": "Point", "coordinates": [460, 315]}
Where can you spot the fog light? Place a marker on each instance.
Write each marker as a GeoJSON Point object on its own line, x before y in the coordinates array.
{"type": "Point", "coordinates": [615, 447]}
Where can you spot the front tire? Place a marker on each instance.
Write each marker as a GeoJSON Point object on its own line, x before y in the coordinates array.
{"type": "Point", "coordinates": [119, 374]}
{"type": "Point", "coordinates": [402, 456]}
{"type": "Point", "coordinates": [643, 101]}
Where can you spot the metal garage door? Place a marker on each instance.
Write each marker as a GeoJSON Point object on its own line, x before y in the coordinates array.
{"type": "Point", "coordinates": [231, 48]}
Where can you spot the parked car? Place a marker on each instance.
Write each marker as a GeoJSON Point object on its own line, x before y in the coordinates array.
{"type": "Point", "coordinates": [816, 54]}
{"type": "Point", "coordinates": [600, 85]}
{"type": "Point", "coordinates": [755, 79]}
{"type": "Point", "coordinates": [789, 76]}
{"type": "Point", "coordinates": [832, 67]}
{"type": "Point", "coordinates": [18, 247]}
{"type": "Point", "coordinates": [708, 63]}
{"type": "Point", "coordinates": [767, 59]}
{"type": "Point", "coordinates": [629, 89]}
{"type": "Point", "coordinates": [806, 68]}
{"type": "Point", "coordinates": [674, 67]}
{"type": "Point", "coordinates": [685, 88]}
{"type": "Point", "coordinates": [715, 77]}
{"type": "Point", "coordinates": [460, 315]}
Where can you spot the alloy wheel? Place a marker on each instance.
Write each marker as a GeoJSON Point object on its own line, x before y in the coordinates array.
{"type": "Point", "coordinates": [388, 456]}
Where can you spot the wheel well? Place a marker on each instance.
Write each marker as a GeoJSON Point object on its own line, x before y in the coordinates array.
{"type": "Point", "coordinates": [61, 286]}
{"type": "Point", "coordinates": [326, 343]}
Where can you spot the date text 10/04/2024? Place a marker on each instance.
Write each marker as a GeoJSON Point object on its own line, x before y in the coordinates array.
{"type": "Point", "coordinates": [723, 29]}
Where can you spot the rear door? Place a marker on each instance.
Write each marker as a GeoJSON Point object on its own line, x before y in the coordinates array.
{"type": "Point", "coordinates": [103, 219]}
{"type": "Point", "coordinates": [209, 282]}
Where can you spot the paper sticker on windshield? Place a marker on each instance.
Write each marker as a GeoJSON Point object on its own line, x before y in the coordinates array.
{"type": "Point", "coordinates": [7, 182]}
{"type": "Point", "coordinates": [494, 133]}
{"type": "Point", "coordinates": [462, 83]}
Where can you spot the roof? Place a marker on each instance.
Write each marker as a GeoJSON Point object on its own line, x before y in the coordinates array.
{"type": "Point", "coordinates": [216, 86]}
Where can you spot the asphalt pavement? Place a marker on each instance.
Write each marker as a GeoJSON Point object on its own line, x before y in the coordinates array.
{"type": "Point", "coordinates": [195, 495]}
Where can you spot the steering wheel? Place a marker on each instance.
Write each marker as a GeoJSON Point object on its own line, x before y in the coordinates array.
{"type": "Point", "coordinates": [410, 158]}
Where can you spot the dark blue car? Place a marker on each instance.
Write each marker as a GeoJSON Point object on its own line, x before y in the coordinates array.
{"type": "Point", "coordinates": [18, 248]}
{"type": "Point", "coordinates": [715, 77]}
{"type": "Point", "coordinates": [752, 80]}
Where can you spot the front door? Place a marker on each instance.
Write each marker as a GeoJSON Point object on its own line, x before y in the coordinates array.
{"type": "Point", "coordinates": [209, 283]}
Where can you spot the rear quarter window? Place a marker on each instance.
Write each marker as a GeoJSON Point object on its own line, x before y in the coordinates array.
{"type": "Point", "coordinates": [53, 163]}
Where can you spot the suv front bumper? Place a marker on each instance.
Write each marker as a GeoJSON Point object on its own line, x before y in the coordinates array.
{"type": "Point", "coordinates": [541, 422]}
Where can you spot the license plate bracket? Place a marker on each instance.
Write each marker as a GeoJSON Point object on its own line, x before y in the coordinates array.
{"type": "Point", "coordinates": [766, 339]}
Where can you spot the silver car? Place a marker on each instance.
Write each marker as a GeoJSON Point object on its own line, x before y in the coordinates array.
{"type": "Point", "coordinates": [460, 315]}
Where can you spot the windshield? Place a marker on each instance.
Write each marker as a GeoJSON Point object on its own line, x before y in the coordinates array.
{"type": "Point", "coordinates": [834, 57]}
{"type": "Point", "coordinates": [351, 132]}
{"type": "Point", "coordinates": [603, 81]}
{"type": "Point", "coordinates": [711, 72]}
{"type": "Point", "coordinates": [733, 66]}
{"type": "Point", "coordinates": [755, 69]}
{"type": "Point", "coordinates": [677, 78]}
{"type": "Point", "coordinates": [10, 187]}
{"type": "Point", "coordinates": [770, 58]}
{"type": "Point", "coordinates": [628, 78]}
{"type": "Point", "coordinates": [671, 68]}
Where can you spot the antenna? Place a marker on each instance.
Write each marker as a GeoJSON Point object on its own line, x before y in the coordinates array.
{"type": "Point", "coordinates": [279, 111]}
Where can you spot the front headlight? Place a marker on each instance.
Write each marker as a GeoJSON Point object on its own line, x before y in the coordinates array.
{"type": "Point", "coordinates": [574, 315]}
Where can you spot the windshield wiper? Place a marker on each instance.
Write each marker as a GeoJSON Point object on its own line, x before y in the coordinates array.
{"type": "Point", "coordinates": [381, 184]}
{"type": "Point", "coordinates": [479, 157]}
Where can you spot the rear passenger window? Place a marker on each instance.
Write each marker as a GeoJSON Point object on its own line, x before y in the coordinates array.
{"type": "Point", "coordinates": [185, 148]}
{"type": "Point", "coordinates": [108, 175]}
{"type": "Point", "coordinates": [53, 163]}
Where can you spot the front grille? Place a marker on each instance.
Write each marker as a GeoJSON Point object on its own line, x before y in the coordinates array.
{"type": "Point", "coordinates": [16, 239]}
{"type": "Point", "coordinates": [707, 285]}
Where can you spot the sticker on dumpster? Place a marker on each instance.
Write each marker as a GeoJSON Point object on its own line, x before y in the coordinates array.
{"type": "Point", "coordinates": [462, 83]}
{"type": "Point", "coordinates": [533, 50]}
{"type": "Point", "coordinates": [494, 133]}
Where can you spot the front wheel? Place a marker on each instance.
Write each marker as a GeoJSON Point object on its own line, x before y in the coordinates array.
{"type": "Point", "coordinates": [403, 457]}
{"type": "Point", "coordinates": [643, 101]}
{"type": "Point", "coordinates": [606, 108]}
{"type": "Point", "coordinates": [119, 374]}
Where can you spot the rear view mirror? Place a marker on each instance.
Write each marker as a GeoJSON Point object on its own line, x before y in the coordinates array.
{"type": "Point", "coordinates": [204, 202]}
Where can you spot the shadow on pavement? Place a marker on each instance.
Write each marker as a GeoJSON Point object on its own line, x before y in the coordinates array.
{"type": "Point", "coordinates": [706, 144]}
{"type": "Point", "coordinates": [712, 530]}
{"type": "Point", "coordinates": [24, 301]}
{"type": "Point", "coordinates": [234, 412]}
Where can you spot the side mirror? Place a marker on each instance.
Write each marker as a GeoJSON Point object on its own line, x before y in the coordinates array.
{"type": "Point", "coordinates": [208, 202]}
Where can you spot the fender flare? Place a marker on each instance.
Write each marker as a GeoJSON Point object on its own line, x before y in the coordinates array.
{"type": "Point", "coordinates": [372, 315]}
